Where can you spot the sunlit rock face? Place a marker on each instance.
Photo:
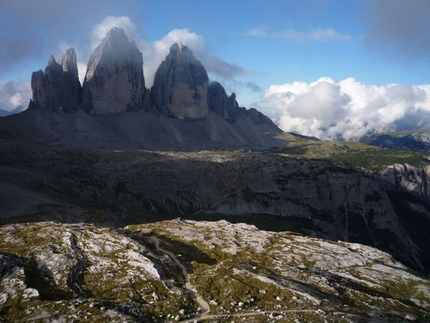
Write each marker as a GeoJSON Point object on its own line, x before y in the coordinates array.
{"type": "Point", "coordinates": [114, 81]}
{"type": "Point", "coordinates": [57, 88]}
{"type": "Point", "coordinates": [181, 85]}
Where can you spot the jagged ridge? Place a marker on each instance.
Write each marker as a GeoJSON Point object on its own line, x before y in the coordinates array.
{"type": "Point", "coordinates": [114, 86]}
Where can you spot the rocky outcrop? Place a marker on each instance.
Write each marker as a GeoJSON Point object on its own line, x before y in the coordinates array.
{"type": "Point", "coordinates": [224, 106]}
{"type": "Point", "coordinates": [170, 271]}
{"type": "Point", "coordinates": [114, 81]}
{"type": "Point", "coordinates": [407, 178]}
{"type": "Point", "coordinates": [181, 85]}
{"type": "Point", "coordinates": [57, 88]}
{"type": "Point", "coordinates": [228, 108]}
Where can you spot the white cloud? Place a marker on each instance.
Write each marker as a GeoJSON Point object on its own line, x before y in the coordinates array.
{"type": "Point", "coordinates": [349, 109]}
{"type": "Point", "coordinates": [100, 30]}
{"type": "Point", "coordinates": [14, 94]}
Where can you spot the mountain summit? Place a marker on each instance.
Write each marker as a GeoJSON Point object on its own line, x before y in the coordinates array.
{"type": "Point", "coordinates": [114, 81]}
{"type": "Point", "coordinates": [113, 109]}
{"type": "Point", "coordinates": [181, 85]}
{"type": "Point", "coordinates": [57, 88]}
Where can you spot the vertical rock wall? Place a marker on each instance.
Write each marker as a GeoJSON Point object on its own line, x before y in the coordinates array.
{"type": "Point", "coordinates": [181, 85]}
{"type": "Point", "coordinates": [114, 81]}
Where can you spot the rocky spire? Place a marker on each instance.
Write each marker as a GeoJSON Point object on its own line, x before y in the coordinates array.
{"type": "Point", "coordinates": [58, 87]}
{"type": "Point", "coordinates": [181, 85]}
{"type": "Point", "coordinates": [114, 81]}
{"type": "Point", "coordinates": [69, 63]}
{"type": "Point", "coordinates": [224, 106]}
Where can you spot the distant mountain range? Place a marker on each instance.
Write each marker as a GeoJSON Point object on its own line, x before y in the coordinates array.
{"type": "Point", "coordinates": [4, 113]}
{"type": "Point", "coordinates": [114, 109]}
{"type": "Point", "coordinates": [418, 140]}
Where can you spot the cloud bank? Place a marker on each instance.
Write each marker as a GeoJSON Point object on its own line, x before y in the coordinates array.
{"type": "Point", "coordinates": [348, 109]}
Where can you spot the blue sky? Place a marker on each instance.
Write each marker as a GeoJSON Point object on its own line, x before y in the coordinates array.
{"type": "Point", "coordinates": [288, 58]}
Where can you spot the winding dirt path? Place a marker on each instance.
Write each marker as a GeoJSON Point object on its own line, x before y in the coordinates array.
{"type": "Point", "coordinates": [202, 303]}
{"type": "Point", "coordinates": [204, 314]}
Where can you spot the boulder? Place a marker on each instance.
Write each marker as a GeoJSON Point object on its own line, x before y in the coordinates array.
{"type": "Point", "coordinates": [57, 88]}
{"type": "Point", "coordinates": [181, 85]}
{"type": "Point", "coordinates": [114, 81]}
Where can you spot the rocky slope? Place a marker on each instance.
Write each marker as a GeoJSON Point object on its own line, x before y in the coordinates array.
{"type": "Point", "coordinates": [186, 271]}
{"type": "Point", "coordinates": [309, 196]}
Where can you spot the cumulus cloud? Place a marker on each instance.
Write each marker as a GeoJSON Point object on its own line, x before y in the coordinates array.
{"type": "Point", "coordinates": [100, 30]}
{"type": "Point", "coordinates": [13, 95]}
{"type": "Point", "coordinates": [398, 26]}
{"type": "Point", "coordinates": [348, 109]}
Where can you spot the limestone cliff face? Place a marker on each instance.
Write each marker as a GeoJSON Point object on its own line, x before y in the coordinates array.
{"type": "Point", "coordinates": [414, 180]}
{"type": "Point", "coordinates": [181, 85]}
{"type": "Point", "coordinates": [114, 81]}
{"type": "Point", "coordinates": [57, 88]}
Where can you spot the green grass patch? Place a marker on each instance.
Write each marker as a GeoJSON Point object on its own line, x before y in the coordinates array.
{"type": "Point", "coordinates": [353, 155]}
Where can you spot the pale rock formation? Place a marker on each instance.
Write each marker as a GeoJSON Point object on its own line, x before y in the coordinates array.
{"type": "Point", "coordinates": [114, 81]}
{"type": "Point", "coordinates": [181, 85]}
{"type": "Point", "coordinates": [57, 88]}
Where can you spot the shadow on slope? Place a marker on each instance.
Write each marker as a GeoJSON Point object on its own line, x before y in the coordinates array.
{"type": "Point", "coordinates": [42, 182]}
{"type": "Point", "coordinates": [139, 130]}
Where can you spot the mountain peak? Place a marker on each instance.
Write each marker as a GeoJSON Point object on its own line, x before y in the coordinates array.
{"type": "Point", "coordinates": [114, 81]}
{"type": "Point", "coordinates": [69, 62]}
{"type": "Point", "coordinates": [180, 85]}
{"type": "Point", "coordinates": [52, 61]}
{"type": "Point", "coordinates": [57, 88]}
{"type": "Point", "coordinates": [179, 49]}
{"type": "Point", "coordinates": [116, 35]}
